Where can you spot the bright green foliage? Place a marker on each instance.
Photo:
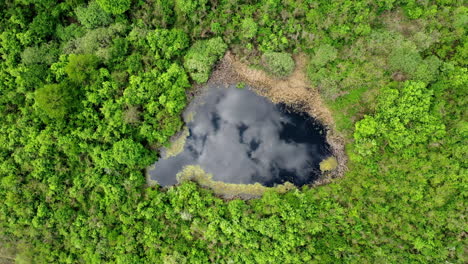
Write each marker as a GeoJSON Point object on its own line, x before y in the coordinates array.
{"type": "Point", "coordinates": [189, 9]}
{"type": "Point", "coordinates": [249, 28]}
{"type": "Point", "coordinates": [98, 41]}
{"type": "Point", "coordinates": [403, 118]}
{"type": "Point", "coordinates": [92, 16]}
{"type": "Point", "coordinates": [168, 43]}
{"type": "Point", "coordinates": [201, 57]}
{"type": "Point", "coordinates": [162, 97]}
{"type": "Point", "coordinates": [131, 154]}
{"type": "Point", "coordinates": [53, 99]}
{"type": "Point", "coordinates": [114, 6]}
{"type": "Point", "coordinates": [366, 136]}
{"type": "Point", "coordinates": [80, 67]}
{"type": "Point", "coordinates": [84, 104]}
{"type": "Point", "coordinates": [278, 63]}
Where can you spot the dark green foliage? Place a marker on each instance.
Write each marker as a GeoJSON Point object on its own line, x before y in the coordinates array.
{"type": "Point", "coordinates": [97, 41]}
{"type": "Point", "coordinates": [156, 13]}
{"type": "Point", "coordinates": [278, 63]}
{"type": "Point", "coordinates": [201, 57]}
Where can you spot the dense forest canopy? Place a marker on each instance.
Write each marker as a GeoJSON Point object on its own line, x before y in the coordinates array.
{"type": "Point", "coordinates": [90, 89]}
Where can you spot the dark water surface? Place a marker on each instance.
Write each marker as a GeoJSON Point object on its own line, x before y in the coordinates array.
{"type": "Point", "coordinates": [241, 137]}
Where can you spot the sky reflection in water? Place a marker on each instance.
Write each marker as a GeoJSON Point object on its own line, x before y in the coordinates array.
{"type": "Point", "coordinates": [241, 137]}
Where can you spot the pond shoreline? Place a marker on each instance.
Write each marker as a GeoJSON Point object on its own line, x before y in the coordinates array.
{"type": "Point", "coordinates": [294, 91]}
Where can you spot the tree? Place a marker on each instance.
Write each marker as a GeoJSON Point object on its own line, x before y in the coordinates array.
{"type": "Point", "coordinates": [133, 154]}
{"type": "Point", "coordinates": [46, 53]}
{"type": "Point", "coordinates": [81, 66]}
{"type": "Point", "coordinates": [115, 7]}
{"type": "Point", "coordinates": [53, 99]}
{"type": "Point", "coordinates": [248, 28]}
{"type": "Point", "coordinates": [92, 16]}
{"type": "Point", "coordinates": [405, 58]}
{"type": "Point", "coordinates": [97, 41]}
{"type": "Point", "coordinates": [278, 63]}
{"type": "Point", "coordinates": [190, 9]}
{"type": "Point", "coordinates": [201, 57]}
{"type": "Point", "coordinates": [168, 43]}
{"type": "Point", "coordinates": [403, 118]}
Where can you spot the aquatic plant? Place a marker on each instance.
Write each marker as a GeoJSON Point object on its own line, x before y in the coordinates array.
{"type": "Point", "coordinates": [328, 164]}
{"type": "Point", "coordinates": [227, 190]}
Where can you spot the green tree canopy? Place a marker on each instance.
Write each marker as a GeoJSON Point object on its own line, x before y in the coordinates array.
{"type": "Point", "coordinates": [168, 43]}
{"type": "Point", "coordinates": [53, 99]}
{"type": "Point", "coordinates": [248, 28]}
{"type": "Point", "coordinates": [114, 6]}
{"type": "Point", "coordinates": [403, 117]}
{"type": "Point", "coordinates": [132, 154]}
{"type": "Point", "coordinates": [81, 66]}
{"type": "Point", "coordinates": [93, 16]}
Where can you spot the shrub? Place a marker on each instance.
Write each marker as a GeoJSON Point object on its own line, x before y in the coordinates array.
{"type": "Point", "coordinates": [323, 55]}
{"type": "Point", "coordinates": [279, 64]}
{"type": "Point", "coordinates": [201, 57]}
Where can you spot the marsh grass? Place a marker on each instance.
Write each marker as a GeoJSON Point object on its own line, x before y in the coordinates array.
{"type": "Point", "coordinates": [227, 190]}
{"type": "Point", "coordinates": [177, 145]}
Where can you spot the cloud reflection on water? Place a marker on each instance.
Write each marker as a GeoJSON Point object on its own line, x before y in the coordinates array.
{"type": "Point", "coordinates": [241, 137]}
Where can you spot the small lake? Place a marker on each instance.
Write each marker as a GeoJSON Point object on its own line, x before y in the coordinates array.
{"type": "Point", "coordinates": [243, 138]}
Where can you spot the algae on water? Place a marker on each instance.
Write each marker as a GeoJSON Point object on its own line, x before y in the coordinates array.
{"type": "Point", "coordinates": [177, 146]}
{"type": "Point", "coordinates": [328, 164]}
